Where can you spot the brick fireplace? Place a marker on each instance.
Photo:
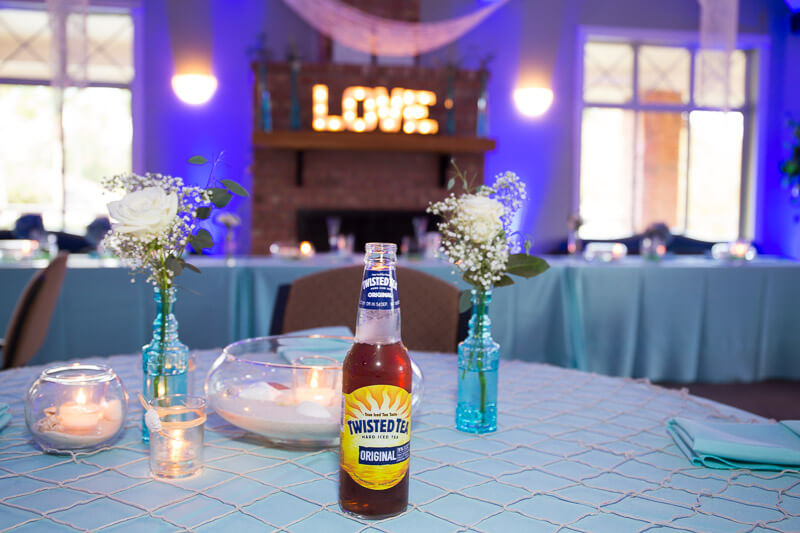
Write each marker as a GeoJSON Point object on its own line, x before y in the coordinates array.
{"type": "Point", "coordinates": [303, 173]}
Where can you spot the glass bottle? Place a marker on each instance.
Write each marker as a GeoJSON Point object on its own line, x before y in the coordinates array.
{"type": "Point", "coordinates": [165, 361]}
{"type": "Point", "coordinates": [478, 360]}
{"type": "Point", "coordinates": [376, 385]}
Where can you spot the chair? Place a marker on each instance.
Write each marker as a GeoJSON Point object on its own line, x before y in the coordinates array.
{"type": "Point", "coordinates": [30, 321]}
{"type": "Point", "coordinates": [429, 305]}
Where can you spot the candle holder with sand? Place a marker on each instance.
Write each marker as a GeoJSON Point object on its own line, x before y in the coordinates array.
{"type": "Point", "coordinates": [285, 388]}
{"type": "Point", "coordinates": [176, 423]}
{"type": "Point", "coordinates": [78, 407]}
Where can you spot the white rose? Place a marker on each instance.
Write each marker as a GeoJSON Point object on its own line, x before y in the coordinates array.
{"type": "Point", "coordinates": [144, 213]}
{"type": "Point", "coordinates": [481, 217]}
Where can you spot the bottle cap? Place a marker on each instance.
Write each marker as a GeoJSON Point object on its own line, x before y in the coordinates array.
{"type": "Point", "coordinates": [382, 252]}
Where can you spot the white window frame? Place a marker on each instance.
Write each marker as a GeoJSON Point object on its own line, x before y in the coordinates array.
{"type": "Point", "coordinates": [134, 9]}
{"type": "Point", "coordinates": [754, 109]}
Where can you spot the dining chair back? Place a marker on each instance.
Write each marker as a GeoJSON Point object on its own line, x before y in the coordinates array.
{"type": "Point", "coordinates": [30, 321]}
{"type": "Point", "coordinates": [428, 305]}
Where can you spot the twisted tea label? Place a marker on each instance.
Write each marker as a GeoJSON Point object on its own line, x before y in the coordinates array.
{"type": "Point", "coordinates": [376, 437]}
{"type": "Point", "coordinates": [379, 290]}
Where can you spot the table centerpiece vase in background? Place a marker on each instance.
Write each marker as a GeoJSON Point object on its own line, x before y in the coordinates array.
{"type": "Point", "coordinates": [478, 360]}
{"type": "Point", "coordinates": [165, 361]}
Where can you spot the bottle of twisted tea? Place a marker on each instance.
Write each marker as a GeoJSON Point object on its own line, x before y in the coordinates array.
{"type": "Point", "coordinates": [376, 403]}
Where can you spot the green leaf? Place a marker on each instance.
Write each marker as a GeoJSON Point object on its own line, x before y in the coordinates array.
{"type": "Point", "coordinates": [191, 267]}
{"type": "Point", "coordinates": [505, 281]}
{"type": "Point", "coordinates": [464, 301]}
{"type": "Point", "coordinates": [175, 265]}
{"type": "Point", "coordinates": [235, 188]}
{"type": "Point", "coordinates": [198, 160]}
{"type": "Point", "coordinates": [526, 266]}
{"type": "Point", "coordinates": [451, 183]}
{"type": "Point", "coordinates": [220, 197]}
{"type": "Point", "coordinates": [201, 240]}
{"type": "Point", "coordinates": [203, 213]}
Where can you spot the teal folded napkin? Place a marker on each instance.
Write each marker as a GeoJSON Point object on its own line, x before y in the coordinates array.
{"type": "Point", "coordinates": [762, 446]}
{"type": "Point", "coordinates": [5, 415]}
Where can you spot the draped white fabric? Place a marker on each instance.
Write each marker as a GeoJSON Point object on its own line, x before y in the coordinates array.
{"type": "Point", "coordinates": [719, 20]}
{"type": "Point", "coordinates": [384, 37]}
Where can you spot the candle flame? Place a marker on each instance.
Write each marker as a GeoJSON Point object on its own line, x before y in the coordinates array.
{"type": "Point", "coordinates": [314, 381]}
{"type": "Point", "coordinates": [81, 397]}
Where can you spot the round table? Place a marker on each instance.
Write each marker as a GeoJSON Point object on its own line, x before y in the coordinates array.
{"type": "Point", "coordinates": [574, 452]}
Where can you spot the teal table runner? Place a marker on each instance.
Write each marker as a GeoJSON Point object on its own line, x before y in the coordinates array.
{"type": "Point", "coordinates": [574, 452]}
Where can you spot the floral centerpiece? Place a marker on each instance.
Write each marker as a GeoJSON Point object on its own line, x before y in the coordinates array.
{"type": "Point", "coordinates": [478, 241]}
{"type": "Point", "coordinates": [151, 225]}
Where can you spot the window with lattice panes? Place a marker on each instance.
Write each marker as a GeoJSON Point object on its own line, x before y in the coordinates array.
{"type": "Point", "coordinates": [54, 154]}
{"type": "Point", "coordinates": [658, 141]}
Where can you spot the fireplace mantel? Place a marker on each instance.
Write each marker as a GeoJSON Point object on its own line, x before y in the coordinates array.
{"type": "Point", "coordinates": [383, 142]}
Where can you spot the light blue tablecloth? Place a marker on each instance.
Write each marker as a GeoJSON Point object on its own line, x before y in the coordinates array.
{"type": "Point", "coordinates": [682, 320]}
{"type": "Point", "coordinates": [573, 452]}
{"type": "Point", "coordinates": [686, 320]}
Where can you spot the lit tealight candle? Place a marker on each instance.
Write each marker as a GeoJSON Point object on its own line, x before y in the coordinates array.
{"type": "Point", "coordinates": [306, 249]}
{"type": "Point", "coordinates": [79, 416]}
{"type": "Point", "coordinates": [314, 392]}
{"type": "Point", "coordinates": [739, 249]}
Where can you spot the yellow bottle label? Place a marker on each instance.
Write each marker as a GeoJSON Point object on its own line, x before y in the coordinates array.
{"type": "Point", "coordinates": [376, 435]}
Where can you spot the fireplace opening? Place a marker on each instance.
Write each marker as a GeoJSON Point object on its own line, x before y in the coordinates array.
{"type": "Point", "coordinates": [366, 226]}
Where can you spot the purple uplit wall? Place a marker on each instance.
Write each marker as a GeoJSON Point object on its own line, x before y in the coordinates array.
{"type": "Point", "coordinates": [777, 220]}
{"type": "Point", "coordinates": [175, 131]}
{"type": "Point", "coordinates": [528, 40]}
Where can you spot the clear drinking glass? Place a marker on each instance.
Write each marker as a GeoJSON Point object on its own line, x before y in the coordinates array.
{"type": "Point", "coordinates": [333, 224]}
{"type": "Point", "coordinates": [176, 450]}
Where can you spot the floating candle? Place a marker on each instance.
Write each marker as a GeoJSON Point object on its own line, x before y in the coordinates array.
{"type": "Point", "coordinates": [79, 416]}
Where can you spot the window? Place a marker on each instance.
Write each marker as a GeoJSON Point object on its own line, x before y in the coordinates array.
{"type": "Point", "coordinates": [53, 157]}
{"type": "Point", "coordinates": [656, 144]}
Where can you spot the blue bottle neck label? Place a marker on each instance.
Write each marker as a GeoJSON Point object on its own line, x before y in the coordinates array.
{"type": "Point", "coordinates": [379, 290]}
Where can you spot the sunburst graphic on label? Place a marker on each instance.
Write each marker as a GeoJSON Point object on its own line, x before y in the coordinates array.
{"type": "Point", "coordinates": [376, 435]}
{"type": "Point", "coordinates": [378, 399]}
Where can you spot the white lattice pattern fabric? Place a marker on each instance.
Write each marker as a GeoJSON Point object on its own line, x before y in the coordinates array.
{"type": "Point", "coordinates": [574, 452]}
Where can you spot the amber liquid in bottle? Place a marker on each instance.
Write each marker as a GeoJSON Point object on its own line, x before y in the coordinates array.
{"type": "Point", "coordinates": [378, 357]}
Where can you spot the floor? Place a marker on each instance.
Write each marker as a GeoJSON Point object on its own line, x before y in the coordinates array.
{"type": "Point", "coordinates": [776, 399]}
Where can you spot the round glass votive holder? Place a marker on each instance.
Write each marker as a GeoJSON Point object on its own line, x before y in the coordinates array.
{"type": "Point", "coordinates": [176, 450]}
{"type": "Point", "coordinates": [287, 388]}
{"type": "Point", "coordinates": [79, 407]}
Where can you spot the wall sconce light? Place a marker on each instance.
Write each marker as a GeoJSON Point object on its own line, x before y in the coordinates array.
{"type": "Point", "coordinates": [194, 89]}
{"type": "Point", "coordinates": [533, 101]}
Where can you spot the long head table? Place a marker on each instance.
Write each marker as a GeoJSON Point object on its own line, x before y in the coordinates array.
{"type": "Point", "coordinates": [685, 319]}
{"type": "Point", "coordinates": [574, 450]}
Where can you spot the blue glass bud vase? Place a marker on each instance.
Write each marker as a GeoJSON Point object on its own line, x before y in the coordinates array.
{"type": "Point", "coordinates": [165, 360]}
{"type": "Point", "coordinates": [478, 359]}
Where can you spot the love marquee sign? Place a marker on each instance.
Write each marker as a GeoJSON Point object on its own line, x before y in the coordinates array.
{"type": "Point", "coordinates": [370, 108]}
